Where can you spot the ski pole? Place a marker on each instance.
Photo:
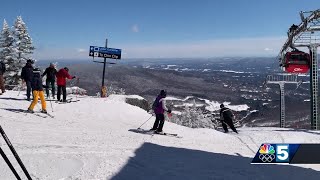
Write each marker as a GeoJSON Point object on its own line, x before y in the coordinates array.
{"type": "Point", "coordinates": [77, 89]}
{"type": "Point", "coordinates": [145, 122]}
{"type": "Point", "coordinates": [15, 153]}
{"type": "Point", "coordinates": [9, 164]}
{"type": "Point", "coordinates": [50, 101]}
{"type": "Point", "coordinates": [20, 87]}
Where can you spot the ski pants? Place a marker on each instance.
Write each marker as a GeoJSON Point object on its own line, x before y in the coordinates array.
{"type": "Point", "coordinates": [50, 84]}
{"type": "Point", "coordinates": [2, 84]}
{"type": "Point", "coordinates": [36, 95]}
{"type": "Point", "coordinates": [28, 83]}
{"type": "Point", "coordinates": [159, 119]}
{"type": "Point", "coordinates": [230, 124]}
{"type": "Point", "coordinates": [64, 92]}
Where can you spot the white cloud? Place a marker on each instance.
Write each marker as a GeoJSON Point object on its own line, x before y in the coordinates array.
{"type": "Point", "coordinates": [64, 53]}
{"type": "Point", "coordinates": [209, 48]}
{"type": "Point", "coordinates": [192, 49]}
{"type": "Point", "coordinates": [135, 28]}
{"type": "Point", "coordinates": [82, 50]}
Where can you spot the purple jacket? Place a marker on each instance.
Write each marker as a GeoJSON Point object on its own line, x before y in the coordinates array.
{"type": "Point", "coordinates": [160, 108]}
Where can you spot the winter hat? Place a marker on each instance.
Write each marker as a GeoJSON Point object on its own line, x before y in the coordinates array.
{"type": "Point", "coordinates": [29, 61]}
{"type": "Point", "coordinates": [67, 69]}
{"type": "Point", "coordinates": [51, 64]}
{"type": "Point", "coordinates": [163, 93]}
{"type": "Point", "coordinates": [221, 106]}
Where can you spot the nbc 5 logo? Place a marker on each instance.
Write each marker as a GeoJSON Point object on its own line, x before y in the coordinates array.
{"type": "Point", "coordinates": [282, 153]}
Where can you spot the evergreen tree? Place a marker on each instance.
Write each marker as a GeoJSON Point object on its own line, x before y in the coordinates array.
{"type": "Point", "coordinates": [194, 117]}
{"type": "Point", "coordinates": [7, 55]}
{"type": "Point", "coordinates": [23, 41]}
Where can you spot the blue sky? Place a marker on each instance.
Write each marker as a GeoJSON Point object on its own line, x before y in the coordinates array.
{"type": "Point", "coordinates": [166, 28]}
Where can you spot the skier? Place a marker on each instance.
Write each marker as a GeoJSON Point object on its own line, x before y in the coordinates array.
{"type": "Point", "coordinates": [2, 71]}
{"type": "Point", "coordinates": [26, 76]}
{"type": "Point", "coordinates": [226, 117]}
{"type": "Point", "coordinates": [159, 107]}
{"type": "Point", "coordinates": [50, 72]}
{"type": "Point", "coordinates": [37, 87]}
{"type": "Point", "coordinates": [61, 82]}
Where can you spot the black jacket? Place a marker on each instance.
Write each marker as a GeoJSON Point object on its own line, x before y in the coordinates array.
{"type": "Point", "coordinates": [27, 73]}
{"type": "Point", "coordinates": [36, 82]}
{"type": "Point", "coordinates": [51, 73]}
{"type": "Point", "coordinates": [226, 113]}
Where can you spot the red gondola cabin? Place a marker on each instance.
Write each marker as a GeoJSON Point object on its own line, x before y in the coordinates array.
{"type": "Point", "coordinates": [297, 62]}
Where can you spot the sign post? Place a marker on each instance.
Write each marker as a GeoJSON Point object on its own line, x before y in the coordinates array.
{"type": "Point", "coordinates": [105, 53]}
{"type": "Point", "coordinates": [103, 93]}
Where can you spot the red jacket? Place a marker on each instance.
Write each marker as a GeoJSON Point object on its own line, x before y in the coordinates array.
{"type": "Point", "coordinates": [61, 77]}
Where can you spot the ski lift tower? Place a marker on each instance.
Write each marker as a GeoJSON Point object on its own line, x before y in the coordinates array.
{"type": "Point", "coordinates": [281, 80]}
{"type": "Point", "coordinates": [307, 34]}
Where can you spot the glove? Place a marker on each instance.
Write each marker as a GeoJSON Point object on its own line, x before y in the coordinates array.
{"type": "Point", "coordinates": [169, 111]}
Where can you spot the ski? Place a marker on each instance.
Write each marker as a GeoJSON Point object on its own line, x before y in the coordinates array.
{"type": "Point", "coordinates": [39, 112]}
{"type": "Point", "coordinates": [68, 101]}
{"type": "Point", "coordinates": [25, 111]}
{"type": "Point", "coordinates": [36, 114]}
{"type": "Point", "coordinates": [168, 134]}
{"type": "Point", "coordinates": [49, 115]}
{"type": "Point", "coordinates": [143, 131]}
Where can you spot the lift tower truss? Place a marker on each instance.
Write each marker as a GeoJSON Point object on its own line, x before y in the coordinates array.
{"type": "Point", "coordinates": [281, 80]}
{"type": "Point", "coordinates": [307, 34]}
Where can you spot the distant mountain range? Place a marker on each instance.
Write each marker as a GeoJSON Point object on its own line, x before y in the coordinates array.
{"type": "Point", "coordinates": [235, 80]}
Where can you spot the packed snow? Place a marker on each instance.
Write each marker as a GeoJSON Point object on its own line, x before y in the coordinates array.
{"type": "Point", "coordinates": [96, 138]}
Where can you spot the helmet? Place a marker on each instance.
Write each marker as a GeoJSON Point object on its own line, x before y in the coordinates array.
{"type": "Point", "coordinates": [221, 106]}
{"type": "Point", "coordinates": [163, 93]}
{"type": "Point", "coordinates": [65, 68]}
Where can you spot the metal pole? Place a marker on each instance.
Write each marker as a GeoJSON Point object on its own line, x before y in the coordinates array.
{"type": "Point", "coordinates": [104, 69]}
{"type": "Point", "coordinates": [9, 164]}
{"type": "Point", "coordinates": [282, 106]}
{"type": "Point", "coordinates": [315, 125]}
{"type": "Point", "coordinates": [15, 153]}
{"type": "Point", "coordinates": [145, 122]}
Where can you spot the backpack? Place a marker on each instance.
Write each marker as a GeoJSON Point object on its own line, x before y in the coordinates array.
{"type": "Point", "coordinates": [155, 104]}
{"type": "Point", "coordinates": [227, 113]}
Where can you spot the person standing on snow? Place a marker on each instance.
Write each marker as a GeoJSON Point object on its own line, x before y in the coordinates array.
{"type": "Point", "coordinates": [159, 107]}
{"type": "Point", "coordinates": [50, 72]}
{"type": "Point", "coordinates": [26, 76]}
{"type": "Point", "coordinates": [2, 71]}
{"type": "Point", "coordinates": [62, 75]}
{"type": "Point", "coordinates": [37, 87]}
{"type": "Point", "coordinates": [226, 117]}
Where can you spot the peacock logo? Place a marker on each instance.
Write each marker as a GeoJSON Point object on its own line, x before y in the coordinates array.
{"type": "Point", "coordinates": [266, 149]}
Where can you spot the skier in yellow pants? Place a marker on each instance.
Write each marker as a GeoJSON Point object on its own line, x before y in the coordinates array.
{"type": "Point", "coordinates": [37, 89]}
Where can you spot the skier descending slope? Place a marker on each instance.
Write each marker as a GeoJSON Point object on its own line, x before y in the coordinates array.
{"type": "Point", "coordinates": [226, 117]}
{"type": "Point", "coordinates": [159, 107]}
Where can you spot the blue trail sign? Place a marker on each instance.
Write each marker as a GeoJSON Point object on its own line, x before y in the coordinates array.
{"type": "Point", "coordinates": [104, 52]}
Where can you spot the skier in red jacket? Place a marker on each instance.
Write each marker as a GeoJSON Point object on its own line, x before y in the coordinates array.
{"type": "Point", "coordinates": [62, 75]}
